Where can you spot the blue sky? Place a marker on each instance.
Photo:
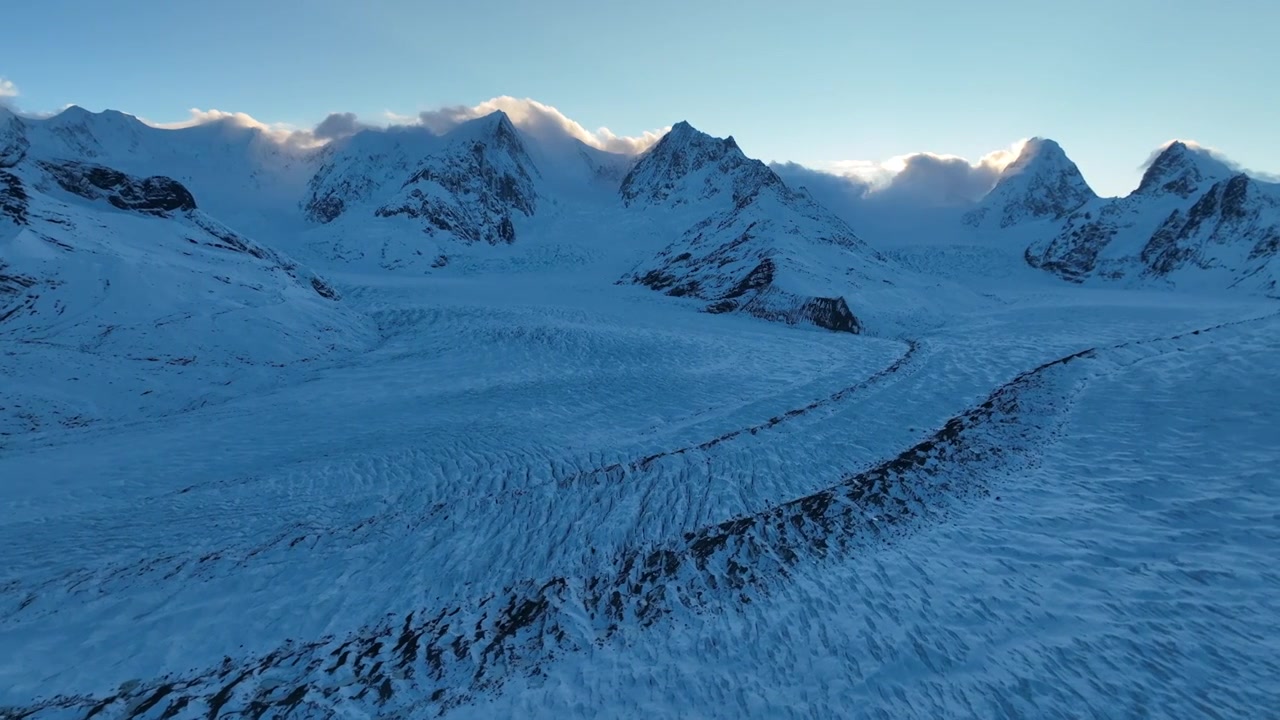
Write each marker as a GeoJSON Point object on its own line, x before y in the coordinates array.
{"type": "Point", "coordinates": [810, 81]}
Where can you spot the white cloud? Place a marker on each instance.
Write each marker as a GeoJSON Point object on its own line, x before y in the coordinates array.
{"type": "Point", "coordinates": [539, 120]}
{"type": "Point", "coordinates": [338, 125]}
{"type": "Point", "coordinates": [8, 91]}
{"type": "Point", "coordinates": [279, 131]}
{"type": "Point", "coordinates": [282, 133]}
{"type": "Point", "coordinates": [929, 178]}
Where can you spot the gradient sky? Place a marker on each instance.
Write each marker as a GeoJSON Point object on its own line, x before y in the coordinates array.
{"type": "Point", "coordinates": [810, 81]}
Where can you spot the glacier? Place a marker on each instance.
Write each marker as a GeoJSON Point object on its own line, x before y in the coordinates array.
{"type": "Point", "coordinates": [395, 427]}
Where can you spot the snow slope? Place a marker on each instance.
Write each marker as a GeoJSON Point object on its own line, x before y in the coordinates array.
{"type": "Point", "coordinates": [118, 295]}
{"type": "Point", "coordinates": [509, 485]}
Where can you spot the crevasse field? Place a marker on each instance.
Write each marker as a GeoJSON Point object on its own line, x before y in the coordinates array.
{"type": "Point", "coordinates": [525, 490]}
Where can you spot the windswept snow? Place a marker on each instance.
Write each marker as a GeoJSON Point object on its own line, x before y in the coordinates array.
{"type": "Point", "coordinates": [261, 464]}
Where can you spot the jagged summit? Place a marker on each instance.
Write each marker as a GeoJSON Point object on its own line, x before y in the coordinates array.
{"type": "Point", "coordinates": [1038, 153]}
{"type": "Point", "coordinates": [748, 243]}
{"type": "Point", "coordinates": [684, 132]}
{"type": "Point", "coordinates": [496, 125]}
{"type": "Point", "coordinates": [1182, 169]}
{"type": "Point", "coordinates": [474, 183]}
{"type": "Point", "coordinates": [685, 152]}
{"type": "Point", "coordinates": [1041, 183]}
{"type": "Point", "coordinates": [76, 115]}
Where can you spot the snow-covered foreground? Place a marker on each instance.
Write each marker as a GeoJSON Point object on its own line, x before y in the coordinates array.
{"type": "Point", "coordinates": [556, 497]}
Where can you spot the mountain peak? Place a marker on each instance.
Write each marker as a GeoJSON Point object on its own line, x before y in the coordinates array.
{"type": "Point", "coordinates": [1041, 183]}
{"type": "Point", "coordinates": [683, 134]}
{"type": "Point", "coordinates": [1039, 155]}
{"type": "Point", "coordinates": [1182, 169]}
{"type": "Point", "coordinates": [683, 152]}
{"type": "Point", "coordinates": [495, 128]}
{"type": "Point", "coordinates": [76, 116]}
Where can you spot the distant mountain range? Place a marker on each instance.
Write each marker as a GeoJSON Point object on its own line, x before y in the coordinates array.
{"type": "Point", "coordinates": [138, 228]}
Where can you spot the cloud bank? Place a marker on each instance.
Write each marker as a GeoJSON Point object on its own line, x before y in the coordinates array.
{"type": "Point", "coordinates": [280, 132]}
{"type": "Point", "coordinates": [928, 179]}
{"type": "Point", "coordinates": [540, 120]}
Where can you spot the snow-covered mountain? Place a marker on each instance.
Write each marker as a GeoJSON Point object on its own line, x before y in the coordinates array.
{"type": "Point", "coordinates": [130, 274]}
{"type": "Point", "coordinates": [750, 244]}
{"type": "Point", "coordinates": [241, 174]}
{"type": "Point", "coordinates": [1042, 183]}
{"type": "Point", "coordinates": [473, 184]}
{"type": "Point", "coordinates": [1191, 222]}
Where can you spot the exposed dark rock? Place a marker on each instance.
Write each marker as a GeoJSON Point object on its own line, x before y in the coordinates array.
{"type": "Point", "coordinates": [325, 209]}
{"type": "Point", "coordinates": [156, 195]}
{"type": "Point", "coordinates": [13, 139]}
{"type": "Point", "coordinates": [13, 198]}
{"type": "Point", "coordinates": [473, 184]}
{"type": "Point", "coordinates": [755, 231]}
{"type": "Point", "coordinates": [683, 151]}
{"type": "Point", "coordinates": [1181, 170]}
{"type": "Point", "coordinates": [323, 289]}
{"type": "Point", "coordinates": [472, 192]}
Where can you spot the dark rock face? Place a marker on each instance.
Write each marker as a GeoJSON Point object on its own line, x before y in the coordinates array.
{"type": "Point", "coordinates": [1208, 230]}
{"type": "Point", "coordinates": [753, 293]}
{"type": "Point", "coordinates": [473, 192]}
{"type": "Point", "coordinates": [156, 195]}
{"type": "Point", "coordinates": [325, 209]}
{"type": "Point", "coordinates": [16, 295]}
{"type": "Point", "coordinates": [13, 140]}
{"type": "Point", "coordinates": [323, 289]}
{"type": "Point", "coordinates": [1073, 254]}
{"type": "Point", "coordinates": [658, 176]}
{"type": "Point", "coordinates": [473, 185]}
{"type": "Point", "coordinates": [13, 198]}
{"type": "Point", "coordinates": [1231, 212]}
{"type": "Point", "coordinates": [832, 314]}
{"type": "Point", "coordinates": [1180, 170]}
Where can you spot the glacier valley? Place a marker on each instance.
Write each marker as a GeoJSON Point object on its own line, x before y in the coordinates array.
{"type": "Point", "coordinates": [491, 423]}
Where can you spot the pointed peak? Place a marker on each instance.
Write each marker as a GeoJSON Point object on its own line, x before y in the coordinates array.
{"type": "Point", "coordinates": [1042, 145]}
{"type": "Point", "coordinates": [682, 134]}
{"type": "Point", "coordinates": [1037, 153]}
{"type": "Point", "coordinates": [685, 151]}
{"type": "Point", "coordinates": [1182, 168]}
{"type": "Point", "coordinates": [1042, 182]}
{"type": "Point", "coordinates": [496, 124]}
{"type": "Point", "coordinates": [72, 113]}
{"type": "Point", "coordinates": [495, 118]}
